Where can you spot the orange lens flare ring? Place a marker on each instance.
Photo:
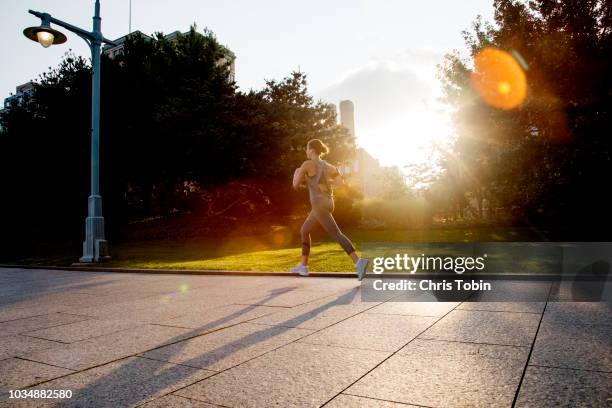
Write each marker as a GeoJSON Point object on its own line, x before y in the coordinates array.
{"type": "Point", "coordinates": [499, 79]}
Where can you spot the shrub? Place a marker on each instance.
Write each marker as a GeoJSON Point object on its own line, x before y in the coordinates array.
{"type": "Point", "coordinates": [401, 212]}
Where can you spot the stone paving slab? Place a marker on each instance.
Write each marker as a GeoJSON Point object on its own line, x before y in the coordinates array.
{"type": "Point", "coordinates": [447, 374]}
{"type": "Point", "coordinates": [14, 312]}
{"type": "Point", "coordinates": [433, 309]}
{"type": "Point", "coordinates": [579, 312]}
{"type": "Point", "coordinates": [353, 401]}
{"type": "Point", "coordinates": [124, 383]}
{"type": "Point", "coordinates": [226, 348]}
{"type": "Point", "coordinates": [517, 329]}
{"type": "Point", "coordinates": [256, 293]}
{"type": "Point", "coordinates": [103, 349]}
{"type": "Point", "coordinates": [29, 324]}
{"type": "Point", "coordinates": [296, 375]}
{"type": "Point", "coordinates": [286, 299]}
{"type": "Point", "coordinates": [151, 310]}
{"type": "Point", "coordinates": [571, 345]}
{"type": "Point", "coordinates": [84, 329]}
{"type": "Point", "coordinates": [556, 387]}
{"type": "Point", "coordinates": [70, 298]}
{"type": "Point", "coordinates": [317, 314]}
{"type": "Point", "coordinates": [13, 346]}
{"type": "Point", "coordinates": [372, 332]}
{"type": "Point", "coordinates": [215, 318]}
{"type": "Point", "coordinates": [17, 373]}
{"type": "Point", "coordinates": [133, 308]}
{"type": "Point", "coordinates": [581, 291]}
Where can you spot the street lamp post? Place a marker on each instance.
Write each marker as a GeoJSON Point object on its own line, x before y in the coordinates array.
{"type": "Point", "coordinates": [95, 246]}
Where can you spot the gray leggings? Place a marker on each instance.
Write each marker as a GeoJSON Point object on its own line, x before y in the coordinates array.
{"type": "Point", "coordinates": [321, 213]}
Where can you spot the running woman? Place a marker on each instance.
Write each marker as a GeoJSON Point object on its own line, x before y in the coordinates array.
{"type": "Point", "coordinates": [319, 175]}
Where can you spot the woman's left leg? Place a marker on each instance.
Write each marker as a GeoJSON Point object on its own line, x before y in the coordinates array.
{"type": "Point", "coordinates": [327, 221]}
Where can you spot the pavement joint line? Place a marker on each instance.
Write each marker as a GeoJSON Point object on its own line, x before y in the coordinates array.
{"type": "Point", "coordinates": [570, 368]}
{"type": "Point", "coordinates": [343, 347]}
{"type": "Point", "coordinates": [21, 318]}
{"type": "Point", "coordinates": [52, 327]}
{"type": "Point", "coordinates": [402, 314]}
{"type": "Point", "coordinates": [181, 364]}
{"type": "Point", "coordinates": [520, 384]}
{"type": "Point", "coordinates": [386, 400]}
{"type": "Point", "coordinates": [287, 307]}
{"type": "Point", "coordinates": [259, 304]}
{"type": "Point", "coordinates": [39, 362]}
{"type": "Point", "coordinates": [473, 342]}
{"type": "Point", "coordinates": [77, 314]}
{"type": "Point", "coordinates": [281, 325]}
{"type": "Point", "coordinates": [497, 311]}
{"type": "Point", "coordinates": [169, 325]}
{"type": "Point", "coordinates": [99, 335]}
{"type": "Point", "coordinates": [390, 355]}
{"type": "Point", "coordinates": [42, 338]}
{"type": "Point", "coordinates": [284, 326]}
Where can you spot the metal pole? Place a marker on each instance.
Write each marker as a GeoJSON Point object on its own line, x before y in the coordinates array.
{"type": "Point", "coordinates": [95, 247]}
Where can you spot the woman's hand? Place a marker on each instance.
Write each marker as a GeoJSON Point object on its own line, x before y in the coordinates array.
{"type": "Point", "coordinates": [298, 177]}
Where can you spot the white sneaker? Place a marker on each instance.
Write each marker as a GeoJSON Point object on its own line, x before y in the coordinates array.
{"type": "Point", "coordinates": [361, 265]}
{"type": "Point", "coordinates": [301, 270]}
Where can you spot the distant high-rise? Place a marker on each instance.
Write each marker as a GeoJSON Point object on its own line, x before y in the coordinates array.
{"type": "Point", "coordinates": [347, 116]}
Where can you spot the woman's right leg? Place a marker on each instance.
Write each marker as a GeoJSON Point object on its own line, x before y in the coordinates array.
{"type": "Point", "coordinates": [308, 225]}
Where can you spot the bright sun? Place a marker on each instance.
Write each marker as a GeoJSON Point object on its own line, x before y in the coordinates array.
{"type": "Point", "coordinates": [414, 138]}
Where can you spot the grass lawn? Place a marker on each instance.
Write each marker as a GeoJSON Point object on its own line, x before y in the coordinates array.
{"type": "Point", "coordinates": [279, 251]}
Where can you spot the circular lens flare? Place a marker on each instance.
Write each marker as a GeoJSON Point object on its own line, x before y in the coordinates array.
{"type": "Point", "coordinates": [281, 235]}
{"type": "Point", "coordinates": [499, 78]}
{"type": "Point", "coordinates": [45, 38]}
{"type": "Point", "coordinates": [504, 88]}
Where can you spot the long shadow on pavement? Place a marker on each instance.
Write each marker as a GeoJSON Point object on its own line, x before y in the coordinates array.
{"type": "Point", "coordinates": [100, 387]}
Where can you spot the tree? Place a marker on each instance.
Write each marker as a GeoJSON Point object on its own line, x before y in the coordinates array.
{"type": "Point", "coordinates": [546, 157]}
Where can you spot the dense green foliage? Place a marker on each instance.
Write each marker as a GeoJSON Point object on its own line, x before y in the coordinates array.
{"type": "Point", "coordinates": [546, 161]}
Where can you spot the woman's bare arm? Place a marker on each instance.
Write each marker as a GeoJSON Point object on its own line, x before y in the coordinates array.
{"type": "Point", "coordinates": [300, 172]}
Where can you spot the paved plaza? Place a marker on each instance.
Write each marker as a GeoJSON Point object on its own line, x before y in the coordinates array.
{"type": "Point", "coordinates": [161, 340]}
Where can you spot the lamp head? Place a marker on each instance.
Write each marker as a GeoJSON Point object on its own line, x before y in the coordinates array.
{"type": "Point", "coordinates": [44, 34]}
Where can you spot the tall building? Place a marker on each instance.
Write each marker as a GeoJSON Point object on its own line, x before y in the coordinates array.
{"type": "Point", "coordinates": [114, 50]}
{"type": "Point", "coordinates": [20, 92]}
{"type": "Point", "coordinates": [347, 116]}
{"type": "Point", "coordinates": [362, 170]}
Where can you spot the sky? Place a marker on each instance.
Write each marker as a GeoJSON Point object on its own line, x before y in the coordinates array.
{"type": "Point", "coordinates": [379, 54]}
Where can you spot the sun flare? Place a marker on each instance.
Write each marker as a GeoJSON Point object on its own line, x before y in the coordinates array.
{"type": "Point", "coordinates": [417, 137]}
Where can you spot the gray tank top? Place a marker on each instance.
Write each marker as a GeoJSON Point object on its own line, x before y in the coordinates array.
{"type": "Point", "coordinates": [314, 182]}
